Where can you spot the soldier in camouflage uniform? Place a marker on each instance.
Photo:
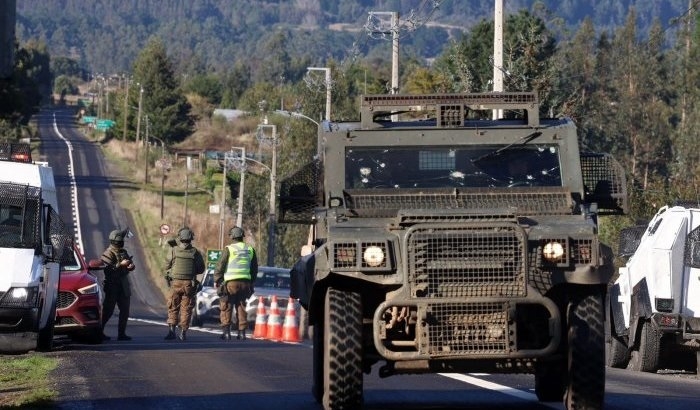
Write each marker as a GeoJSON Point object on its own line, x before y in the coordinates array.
{"type": "Point", "coordinates": [116, 285]}
{"type": "Point", "coordinates": [183, 266]}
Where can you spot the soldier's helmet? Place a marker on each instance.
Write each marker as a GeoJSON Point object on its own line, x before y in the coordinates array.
{"type": "Point", "coordinates": [185, 234]}
{"type": "Point", "coordinates": [236, 233]}
{"type": "Point", "coordinates": [116, 237]}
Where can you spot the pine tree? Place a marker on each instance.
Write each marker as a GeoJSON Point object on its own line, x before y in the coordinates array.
{"type": "Point", "coordinates": [163, 103]}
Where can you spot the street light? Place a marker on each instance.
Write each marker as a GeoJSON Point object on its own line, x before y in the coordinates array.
{"type": "Point", "coordinates": [328, 88]}
{"type": "Point", "coordinates": [272, 140]}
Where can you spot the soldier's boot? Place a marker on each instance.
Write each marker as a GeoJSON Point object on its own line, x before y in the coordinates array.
{"type": "Point", "coordinates": [225, 332]}
{"type": "Point", "coordinates": [171, 333]}
{"type": "Point", "coordinates": [241, 334]}
{"type": "Point", "coordinates": [182, 335]}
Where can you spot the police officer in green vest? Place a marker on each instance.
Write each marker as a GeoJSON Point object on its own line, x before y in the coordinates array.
{"type": "Point", "coordinates": [184, 264]}
{"type": "Point", "coordinates": [236, 270]}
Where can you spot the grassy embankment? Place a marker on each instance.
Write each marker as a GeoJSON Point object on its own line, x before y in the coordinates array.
{"type": "Point", "coordinates": [24, 381]}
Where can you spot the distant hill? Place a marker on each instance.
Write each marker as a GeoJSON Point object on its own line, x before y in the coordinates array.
{"type": "Point", "coordinates": [106, 35]}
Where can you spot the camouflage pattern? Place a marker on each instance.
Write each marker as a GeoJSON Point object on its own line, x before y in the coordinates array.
{"type": "Point", "coordinates": [237, 293]}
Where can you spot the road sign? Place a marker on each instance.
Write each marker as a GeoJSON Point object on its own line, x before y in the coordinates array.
{"type": "Point", "coordinates": [213, 256]}
{"type": "Point", "coordinates": [164, 229]}
{"type": "Point", "coordinates": [89, 119]}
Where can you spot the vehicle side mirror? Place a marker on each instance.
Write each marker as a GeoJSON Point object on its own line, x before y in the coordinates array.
{"type": "Point", "coordinates": [95, 264]}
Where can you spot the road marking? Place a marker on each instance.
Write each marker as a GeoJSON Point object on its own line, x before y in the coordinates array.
{"type": "Point", "coordinates": [498, 388]}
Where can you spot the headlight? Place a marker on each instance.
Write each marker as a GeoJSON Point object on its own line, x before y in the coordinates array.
{"type": "Point", "coordinates": [553, 251]}
{"type": "Point", "coordinates": [19, 294]}
{"type": "Point", "coordinates": [373, 256]}
{"type": "Point", "coordinates": [89, 290]}
{"type": "Point", "coordinates": [20, 298]}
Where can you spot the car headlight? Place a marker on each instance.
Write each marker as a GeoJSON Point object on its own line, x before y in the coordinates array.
{"type": "Point", "coordinates": [373, 256]}
{"type": "Point", "coordinates": [89, 290]}
{"type": "Point", "coordinates": [19, 294]}
{"type": "Point", "coordinates": [553, 251]}
{"type": "Point", "coordinates": [20, 298]}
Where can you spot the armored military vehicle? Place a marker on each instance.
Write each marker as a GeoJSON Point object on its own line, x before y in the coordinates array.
{"type": "Point", "coordinates": [655, 300]}
{"type": "Point", "coordinates": [446, 241]}
{"type": "Point", "coordinates": [33, 243]}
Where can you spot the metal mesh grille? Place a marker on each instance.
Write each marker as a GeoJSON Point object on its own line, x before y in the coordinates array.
{"type": "Point", "coordinates": [65, 299]}
{"type": "Point", "coordinates": [300, 194]}
{"type": "Point", "coordinates": [630, 239]}
{"type": "Point", "coordinates": [386, 203]}
{"type": "Point", "coordinates": [583, 251]}
{"type": "Point", "coordinates": [474, 328]}
{"type": "Point", "coordinates": [467, 261]}
{"type": "Point", "coordinates": [603, 178]}
{"type": "Point", "coordinates": [351, 256]}
{"type": "Point", "coordinates": [65, 321]}
{"type": "Point", "coordinates": [61, 239]}
{"type": "Point", "coordinates": [25, 232]}
{"type": "Point", "coordinates": [450, 115]}
{"type": "Point", "coordinates": [344, 255]}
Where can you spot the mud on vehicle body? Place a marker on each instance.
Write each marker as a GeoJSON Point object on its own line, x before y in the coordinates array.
{"type": "Point", "coordinates": [455, 243]}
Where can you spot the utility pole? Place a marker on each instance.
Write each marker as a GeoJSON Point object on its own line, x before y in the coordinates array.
{"type": "Point", "coordinates": [145, 170]}
{"type": "Point", "coordinates": [498, 53]}
{"type": "Point", "coordinates": [126, 108]}
{"type": "Point", "coordinates": [394, 51]}
{"type": "Point", "coordinates": [263, 138]}
{"type": "Point", "coordinates": [138, 119]}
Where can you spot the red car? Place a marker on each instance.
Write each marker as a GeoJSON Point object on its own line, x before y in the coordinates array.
{"type": "Point", "coordinates": [79, 305]}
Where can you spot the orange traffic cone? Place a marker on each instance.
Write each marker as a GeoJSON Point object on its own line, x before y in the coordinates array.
{"type": "Point", "coordinates": [274, 322]}
{"type": "Point", "coordinates": [260, 331]}
{"type": "Point", "coordinates": [290, 330]}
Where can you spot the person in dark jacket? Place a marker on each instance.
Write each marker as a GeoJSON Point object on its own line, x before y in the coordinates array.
{"type": "Point", "coordinates": [236, 271]}
{"type": "Point", "coordinates": [183, 266]}
{"type": "Point", "coordinates": [116, 286]}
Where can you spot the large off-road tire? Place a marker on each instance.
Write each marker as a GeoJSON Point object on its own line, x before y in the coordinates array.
{"type": "Point", "coordinates": [342, 351]}
{"type": "Point", "coordinates": [550, 380]}
{"type": "Point", "coordinates": [645, 358]}
{"type": "Point", "coordinates": [586, 351]}
{"type": "Point", "coordinates": [616, 353]}
{"type": "Point", "coordinates": [44, 342]}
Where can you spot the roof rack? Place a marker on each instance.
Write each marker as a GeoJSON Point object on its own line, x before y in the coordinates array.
{"type": "Point", "coordinates": [15, 152]}
{"type": "Point", "coordinates": [450, 108]}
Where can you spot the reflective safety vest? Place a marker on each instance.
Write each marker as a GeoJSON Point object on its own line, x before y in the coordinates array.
{"type": "Point", "coordinates": [239, 257]}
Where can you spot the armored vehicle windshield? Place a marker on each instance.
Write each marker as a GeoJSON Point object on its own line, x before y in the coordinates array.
{"type": "Point", "coordinates": [457, 166]}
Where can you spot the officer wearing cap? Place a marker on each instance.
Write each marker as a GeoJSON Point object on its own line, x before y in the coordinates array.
{"type": "Point", "coordinates": [116, 285]}
{"type": "Point", "coordinates": [236, 270]}
{"type": "Point", "coordinates": [184, 264]}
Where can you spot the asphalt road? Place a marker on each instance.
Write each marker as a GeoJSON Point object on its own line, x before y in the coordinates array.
{"type": "Point", "coordinates": [205, 372]}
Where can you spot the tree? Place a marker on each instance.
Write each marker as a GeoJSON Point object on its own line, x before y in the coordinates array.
{"type": "Point", "coordinates": [163, 103]}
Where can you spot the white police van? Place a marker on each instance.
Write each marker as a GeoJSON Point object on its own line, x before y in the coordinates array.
{"type": "Point", "coordinates": [33, 239]}
{"type": "Point", "coordinates": [655, 301]}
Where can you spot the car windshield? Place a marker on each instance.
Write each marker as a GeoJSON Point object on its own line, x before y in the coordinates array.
{"type": "Point", "coordinates": [458, 166]}
{"type": "Point", "coordinates": [277, 278]}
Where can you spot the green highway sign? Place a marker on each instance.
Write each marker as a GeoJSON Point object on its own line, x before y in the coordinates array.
{"type": "Point", "coordinates": [213, 256]}
{"type": "Point", "coordinates": [88, 119]}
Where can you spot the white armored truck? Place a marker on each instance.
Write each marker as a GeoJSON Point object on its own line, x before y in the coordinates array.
{"type": "Point", "coordinates": [446, 241]}
{"type": "Point", "coordinates": [32, 241]}
{"type": "Point", "coordinates": [655, 301]}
